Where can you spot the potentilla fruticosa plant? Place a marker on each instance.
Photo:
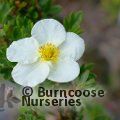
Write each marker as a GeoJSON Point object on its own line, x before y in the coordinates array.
{"type": "Point", "coordinates": [50, 52]}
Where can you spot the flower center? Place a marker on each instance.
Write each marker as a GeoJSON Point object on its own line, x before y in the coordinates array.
{"type": "Point", "coordinates": [49, 52]}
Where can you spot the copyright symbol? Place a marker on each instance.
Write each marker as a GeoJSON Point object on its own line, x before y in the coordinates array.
{"type": "Point", "coordinates": [27, 91]}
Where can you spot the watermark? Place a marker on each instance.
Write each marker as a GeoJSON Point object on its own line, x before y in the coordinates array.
{"type": "Point", "coordinates": [49, 97]}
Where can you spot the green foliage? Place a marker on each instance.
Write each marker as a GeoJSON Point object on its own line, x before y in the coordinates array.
{"type": "Point", "coordinates": [5, 10]}
{"type": "Point", "coordinates": [30, 114]}
{"type": "Point", "coordinates": [86, 79]}
{"type": "Point", "coordinates": [20, 28]}
{"type": "Point", "coordinates": [5, 66]}
{"type": "Point", "coordinates": [95, 112]}
{"type": "Point", "coordinates": [91, 111]}
{"type": "Point", "coordinates": [73, 21]}
{"type": "Point", "coordinates": [48, 9]}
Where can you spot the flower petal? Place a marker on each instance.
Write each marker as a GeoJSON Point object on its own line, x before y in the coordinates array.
{"type": "Point", "coordinates": [73, 47]}
{"type": "Point", "coordinates": [24, 51]}
{"type": "Point", "coordinates": [64, 71]}
{"type": "Point", "coordinates": [30, 75]}
{"type": "Point", "coordinates": [49, 30]}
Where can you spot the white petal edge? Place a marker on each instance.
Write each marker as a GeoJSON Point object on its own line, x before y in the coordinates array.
{"type": "Point", "coordinates": [24, 51]}
{"type": "Point", "coordinates": [30, 75]}
{"type": "Point", "coordinates": [73, 46]}
{"type": "Point", "coordinates": [49, 31]}
{"type": "Point", "coordinates": [64, 71]}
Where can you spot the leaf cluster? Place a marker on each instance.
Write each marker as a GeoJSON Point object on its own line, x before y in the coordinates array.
{"type": "Point", "coordinates": [95, 111]}
{"type": "Point", "coordinates": [91, 111]}
{"type": "Point", "coordinates": [30, 114]}
{"type": "Point", "coordinates": [73, 21]}
{"type": "Point", "coordinates": [86, 78]}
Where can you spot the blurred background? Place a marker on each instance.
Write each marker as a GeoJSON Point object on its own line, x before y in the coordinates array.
{"type": "Point", "coordinates": [101, 32]}
{"type": "Point", "coordinates": [101, 27]}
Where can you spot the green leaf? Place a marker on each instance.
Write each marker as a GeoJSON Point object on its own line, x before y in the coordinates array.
{"type": "Point", "coordinates": [5, 10]}
{"type": "Point", "coordinates": [48, 8]}
{"type": "Point", "coordinates": [72, 22]}
{"type": "Point", "coordinates": [56, 9]}
{"type": "Point", "coordinates": [85, 76]}
{"type": "Point", "coordinates": [89, 66]}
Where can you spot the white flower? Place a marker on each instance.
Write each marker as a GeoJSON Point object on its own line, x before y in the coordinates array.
{"type": "Point", "coordinates": [50, 53]}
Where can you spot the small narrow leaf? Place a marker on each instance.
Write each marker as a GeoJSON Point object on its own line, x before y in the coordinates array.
{"type": "Point", "coordinates": [84, 76]}
{"type": "Point", "coordinates": [73, 21]}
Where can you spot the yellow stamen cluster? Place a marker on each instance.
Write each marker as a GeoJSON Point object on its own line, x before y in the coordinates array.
{"type": "Point", "coordinates": [49, 52]}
